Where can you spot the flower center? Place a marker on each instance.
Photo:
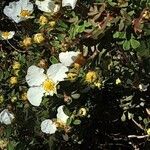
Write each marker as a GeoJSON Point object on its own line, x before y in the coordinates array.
{"type": "Point", "coordinates": [91, 77]}
{"type": "Point", "coordinates": [48, 85]}
{"type": "Point", "coordinates": [25, 13]}
{"type": "Point", "coordinates": [5, 35]}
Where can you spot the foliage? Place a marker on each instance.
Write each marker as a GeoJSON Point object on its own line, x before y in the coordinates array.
{"type": "Point", "coordinates": [111, 74]}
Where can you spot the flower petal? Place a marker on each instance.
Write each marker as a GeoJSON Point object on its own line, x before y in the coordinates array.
{"type": "Point", "coordinates": [35, 95]}
{"type": "Point", "coordinates": [67, 58]}
{"type": "Point", "coordinates": [143, 87]}
{"type": "Point", "coordinates": [46, 5]}
{"type": "Point", "coordinates": [71, 3]}
{"type": "Point", "coordinates": [14, 8]}
{"type": "Point", "coordinates": [28, 7]}
{"type": "Point", "coordinates": [47, 126]}
{"type": "Point", "coordinates": [57, 72]}
{"type": "Point", "coordinates": [10, 11]}
{"type": "Point", "coordinates": [6, 117]}
{"type": "Point", "coordinates": [7, 35]}
{"type": "Point", "coordinates": [11, 34]}
{"type": "Point", "coordinates": [35, 76]}
{"type": "Point", "coordinates": [61, 115]}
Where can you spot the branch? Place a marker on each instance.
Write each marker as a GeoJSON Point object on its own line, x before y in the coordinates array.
{"type": "Point", "coordinates": [138, 136]}
{"type": "Point", "coordinates": [139, 125]}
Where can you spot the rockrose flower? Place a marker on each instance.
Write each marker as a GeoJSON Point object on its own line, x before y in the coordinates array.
{"type": "Point", "coordinates": [47, 6]}
{"type": "Point", "coordinates": [19, 11]}
{"type": "Point", "coordinates": [71, 3]}
{"type": "Point", "coordinates": [68, 58]}
{"type": "Point", "coordinates": [61, 116]}
{"type": "Point", "coordinates": [41, 83]}
{"type": "Point", "coordinates": [7, 35]}
{"type": "Point", "coordinates": [48, 126]}
{"type": "Point", "coordinates": [6, 117]}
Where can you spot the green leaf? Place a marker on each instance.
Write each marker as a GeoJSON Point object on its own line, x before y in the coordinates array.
{"type": "Point", "coordinates": [81, 29]}
{"type": "Point", "coordinates": [10, 146]}
{"type": "Point", "coordinates": [134, 43]}
{"type": "Point", "coordinates": [126, 45]}
{"type": "Point", "coordinates": [129, 98]}
{"type": "Point", "coordinates": [111, 3]}
{"type": "Point", "coordinates": [53, 60]}
{"type": "Point", "coordinates": [76, 122]}
{"type": "Point", "coordinates": [69, 120]}
{"type": "Point", "coordinates": [130, 116]}
{"type": "Point", "coordinates": [66, 111]}
{"type": "Point", "coordinates": [120, 35]}
{"type": "Point", "coordinates": [1, 75]}
{"type": "Point", "coordinates": [75, 96]}
{"type": "Point", "coordinates": [121, 25]}
{"type": "Point", "coordinates": [63, 24]}
{"type": "Point", "coordinates": [87, 24]}
{"type": "Point", "coordinates": [65, 137]}
{"type": "Point", "coordinates": [123, 118]}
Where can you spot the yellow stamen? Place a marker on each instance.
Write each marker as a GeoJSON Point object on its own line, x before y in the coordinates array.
{"type": "Point", "coordinates": [49, 85]}
{"type": "Point", "coordinates": [5, 35]}
{"type": "Point", "coordinates": [91, 77]}
{"type": "Point", "coordinates": [25, 13]}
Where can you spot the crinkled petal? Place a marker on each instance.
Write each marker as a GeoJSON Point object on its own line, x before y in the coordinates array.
{"type": "Point", "coordinates": [71, 3]}
{"type": "Point", "coordinates": [35, 95]}
{"type": "Point", "coordinates": [35, 76]}
{"type": "Point", "coordinates": [143, 87]}
{"type": "Point", "coordinates": [6, 117]}
{"type": "Point", "coordinates": [13, 10]}
{"type": "Point", "coordinates": [57, 72]}
{"type": "Point", "coordinates": [61, 115]}
{"type": "Point", "coordinates": [11, 34]}
{"type": "Point", "coordinates": [29, 7]}
{"type": "Point", "coordinates": [26, 5]}
{"type": "Point", "coordinates": [46, 5]}
{"type": "Point", "coordinates": [48, 127]}
{"type": "Point", "coordinates": [67, 58]}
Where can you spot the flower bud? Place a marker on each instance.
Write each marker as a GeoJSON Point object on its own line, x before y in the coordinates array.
{"type": "Point", "coordinates": [3, 144]}
{"type": "Point", "coordinates": [1, 99]}
{"type": "Point", "coordinates": [16, 65]}
{"type": "Point", "coordinates": [52, 23]}
{"type": "Point", "coordinates": [118, 81]}
{"type": "Point", "coordinates": [91, 77]}
{"type": "Point", "coordinates": [38, 38]}
{"type": "Point", "coordinates": [24, 96]}
{"type": "Point", "coordinates": [148, 131]}
{"type": "Point", "coordinates": [13, 80]}
{"type": "Point", "coordinates": [43, 20]}
{"type": "Point", "coordinates": [27, 42]}
{"type": "Point", "coordinates": [82, 112]}
{"type": "Point", "coordinates": [13, 99]}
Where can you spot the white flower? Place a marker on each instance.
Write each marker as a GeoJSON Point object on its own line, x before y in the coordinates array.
{"type": "Point", "coordinates": [48, 6]}
{"type": "Point", "coordinates": [61, 116]}
{"type": "Point", "coordinates": [71, 3]}
{"type": "Point", "coordinates": [6, 117]}
{"type": "Point", "coordinates": [41, 83]}
{"type": "Point", "coordinates": [48, 126]}
{"type": "Point", "coordinates": [7, 35]}
{"type": "Point", "coordinates": [19, 11]}
{"type": "Point", "coordinates": [68, 58]}
{"type": "Point", "coordinates": [143, 87]}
